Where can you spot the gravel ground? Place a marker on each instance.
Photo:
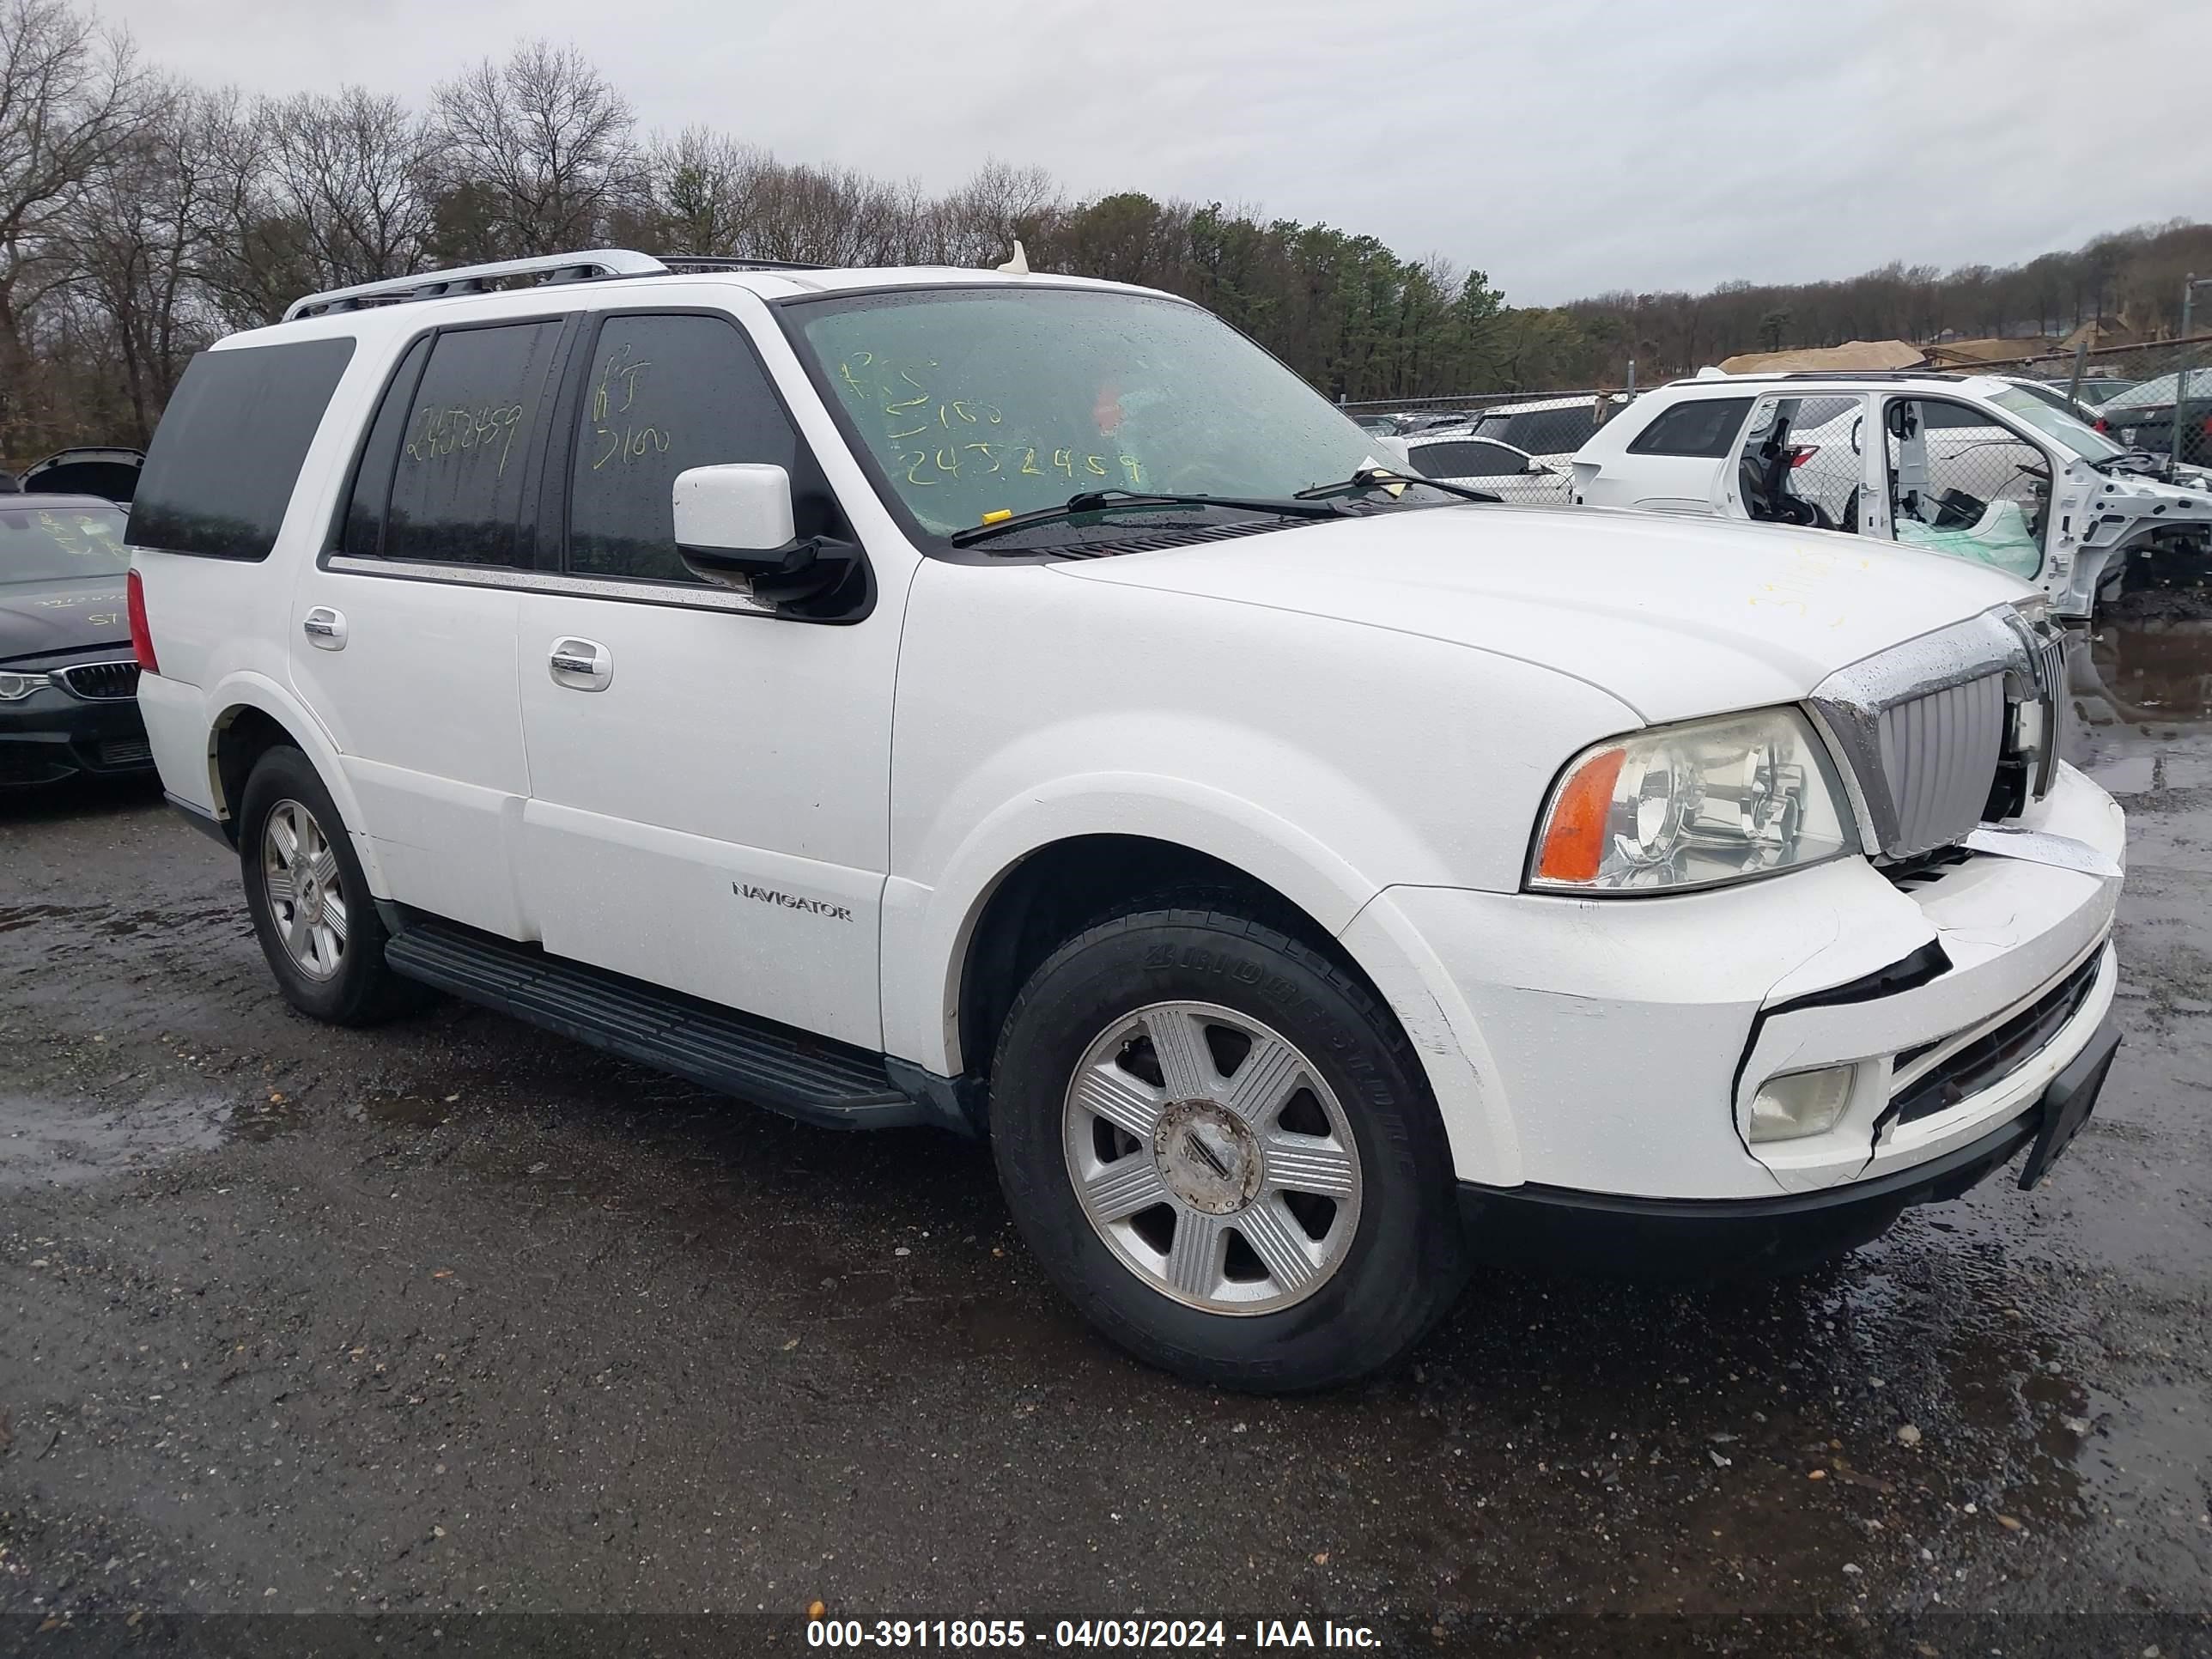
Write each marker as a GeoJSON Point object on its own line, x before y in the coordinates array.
{"type": "Point", "coordinates": [466, 1326]}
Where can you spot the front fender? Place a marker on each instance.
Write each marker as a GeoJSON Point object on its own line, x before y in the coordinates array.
{"type": "Point", "coordinates": [927, 931]}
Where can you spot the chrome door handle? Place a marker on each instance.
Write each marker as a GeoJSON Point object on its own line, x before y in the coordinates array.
{"type": "Point", "coordinates": [581, 664]}
{"type": "Point", "coordinates": [325, 628]}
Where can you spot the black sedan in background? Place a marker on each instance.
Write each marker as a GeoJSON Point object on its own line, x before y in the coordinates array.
{"type": "Point", "coordinates": [68, 682]}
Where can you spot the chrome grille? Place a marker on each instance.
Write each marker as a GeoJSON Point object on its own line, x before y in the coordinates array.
{"type": "Point", "coordinates": [1939, 753]}
{"type": "Point", "coordinates": [99, 682]}
{"type": "Point", "coordinates": [2051, 685]}
{"type": "Point", "coordinates": [1924, 726]}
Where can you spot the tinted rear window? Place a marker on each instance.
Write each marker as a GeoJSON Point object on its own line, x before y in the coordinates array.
{"type": "Point", "coordinates": [1702, 427]}
{"type": "Point", "coordinates": [1466, 460]}
{"type": "Point", "coordinates": [223, 463]}
{"type": "Point", "coordinates": [1541, 431]}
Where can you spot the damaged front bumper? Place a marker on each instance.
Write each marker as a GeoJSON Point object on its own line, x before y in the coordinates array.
{"type": "Point", "coordinates": [1619, 1043]}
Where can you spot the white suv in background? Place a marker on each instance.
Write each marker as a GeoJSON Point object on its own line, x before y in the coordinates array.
{"type": "Point", "coordinates": [1976, 466]}
{"type": "Point", "coordinates": [1018, 703]}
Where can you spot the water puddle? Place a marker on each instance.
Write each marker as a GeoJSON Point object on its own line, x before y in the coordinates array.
{"type": "Point", "coordinates": [407, 1111]}
{"type": "Point", "coordinates": [2145, 673]}
{"type": "Point", "coordinates": [57, 1143]}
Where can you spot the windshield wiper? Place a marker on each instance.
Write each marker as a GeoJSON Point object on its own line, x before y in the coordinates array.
{"type": "Point", "coordinates": [1376, 478]}
{"type": "Point", "coordinates": [1103, 501]}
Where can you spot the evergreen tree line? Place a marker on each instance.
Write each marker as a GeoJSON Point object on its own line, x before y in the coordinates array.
{"type": "Point", "coordinates": [142, 215]}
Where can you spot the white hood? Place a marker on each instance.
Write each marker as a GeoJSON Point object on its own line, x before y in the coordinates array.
{"type": "Point", "coordinates": [1677, 618]}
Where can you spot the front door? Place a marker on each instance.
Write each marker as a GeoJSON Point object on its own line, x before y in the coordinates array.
{"type": "Point", "coordinates": [709, 781]}
{"type": "Point", "coordinates": [402, 632]}
{"type": "Point", "coordinates": [1962, 482]}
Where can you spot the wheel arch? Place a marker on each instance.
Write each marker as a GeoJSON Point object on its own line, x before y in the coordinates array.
{"type": "Point", "coordinates": [1059, 889]}
{"type": "Point", "coordinates": [255, 714]}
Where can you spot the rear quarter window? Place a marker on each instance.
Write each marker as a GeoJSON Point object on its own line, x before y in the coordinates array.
{"type": "Point", "coordinates": [1700, 428]}
{"type": "Point", "coordinates": [226, 458]}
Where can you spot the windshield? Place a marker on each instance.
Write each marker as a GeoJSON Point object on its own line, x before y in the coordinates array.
{"type": "Point", "coordinates": [59, 544]}
{"type": "Point", "coordinates": [991, 400]}
{"type": "Point", "coordinates": [2055, 422]}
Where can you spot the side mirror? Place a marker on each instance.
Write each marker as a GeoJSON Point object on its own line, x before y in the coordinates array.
{"type": "Point", "coordinates": [1399, 450]}
{"type": "Point", "coordinates": [734, 528]}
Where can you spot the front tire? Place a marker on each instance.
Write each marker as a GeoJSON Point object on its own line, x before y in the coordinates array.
{"type": "Point", "coordinates": [1224, 1151]}
{"type": "Point", "coordinates": [312, 911]}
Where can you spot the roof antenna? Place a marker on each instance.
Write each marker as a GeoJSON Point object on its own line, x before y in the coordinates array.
{"type": "Point", "coordinates": [1020, 265]}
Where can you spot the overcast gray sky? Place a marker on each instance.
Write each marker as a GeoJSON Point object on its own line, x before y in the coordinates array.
{"type": "Point", "coordinates": [1566, 148]}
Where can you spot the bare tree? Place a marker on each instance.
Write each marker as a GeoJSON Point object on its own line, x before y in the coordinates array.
{"type": "Point", "coordinates": [352, 172]}
{"type": "Point", "coordinates": [132, 242]}
{"type": "Point", "coordinates": [542, 146]}
{"type": "Point", "coordinates": [977, 223]}
{"type": "Point", "coordinates": [67, 101]}
{"type": "Point", "coordinates": [256, 253]}
{"type": "Point", "coordinates": [704, 186]}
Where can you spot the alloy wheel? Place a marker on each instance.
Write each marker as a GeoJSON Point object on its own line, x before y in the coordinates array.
{"type": "Point", "coordinates": [306, 898]}
{"type": "Point", "coordinates": [1212, 1157]}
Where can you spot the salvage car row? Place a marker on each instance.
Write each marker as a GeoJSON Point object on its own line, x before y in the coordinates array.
{"type": "Point", "coordinates": [2005, 472]}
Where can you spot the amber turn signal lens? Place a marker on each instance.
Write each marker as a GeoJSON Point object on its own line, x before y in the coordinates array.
{"type": "Point", "coordinates": [1574, 839]}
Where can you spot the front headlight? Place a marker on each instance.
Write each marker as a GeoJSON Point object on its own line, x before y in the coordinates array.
{"type": "Point", "coordinates": [14, 687]}
{"type": "Point", "coordinates": [1692, 805]}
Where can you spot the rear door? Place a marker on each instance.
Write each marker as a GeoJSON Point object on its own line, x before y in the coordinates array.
{"type": "Point", "coordinates": [1800, 458]}
{"type": "Point", "coordinates": [402, 633]}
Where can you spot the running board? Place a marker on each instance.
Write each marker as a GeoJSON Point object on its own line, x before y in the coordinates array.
{"type": "Point", "coordinates": [787, 1071]}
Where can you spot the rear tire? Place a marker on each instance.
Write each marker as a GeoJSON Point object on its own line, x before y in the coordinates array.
{"type": "Point", "coordinates": [1224, 1150]}
{"type": "Point", "coordinates": [317, 926]}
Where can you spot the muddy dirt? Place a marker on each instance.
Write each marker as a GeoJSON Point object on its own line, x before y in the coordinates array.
{"type": "Point", "coordinates": [455, 1323]}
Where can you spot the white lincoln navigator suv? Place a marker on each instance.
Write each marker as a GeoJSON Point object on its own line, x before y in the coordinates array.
{"type": "Point", "coordinates": [1020, 704]}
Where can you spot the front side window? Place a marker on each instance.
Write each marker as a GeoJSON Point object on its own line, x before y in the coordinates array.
{"type": "Point", "coordinates": [59, 544]}
{"type": "Point", "coordinates": [665, 393]}
{"type": "Point", "coordinates": [990, 400]}
{"type": "Point", "coordinates": [1701, 429]}
{"type": "Point", "coordinates": [466, 446]}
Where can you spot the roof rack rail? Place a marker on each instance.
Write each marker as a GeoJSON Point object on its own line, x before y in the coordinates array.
{"type": "Point", "coordinates": [682, 261]}
{"type": "Point", "coordinates": [1871, 374]}
{"type": "Point", "coordinates": [598, 264]}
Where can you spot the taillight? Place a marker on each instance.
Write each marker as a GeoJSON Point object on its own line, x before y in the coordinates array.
{"type": "Point", "coordinates": [2103, 425]}
{"type": "Point", "coordinates": [142, 637]}
{"type": "Point", "coordinates": [1803, 454]}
